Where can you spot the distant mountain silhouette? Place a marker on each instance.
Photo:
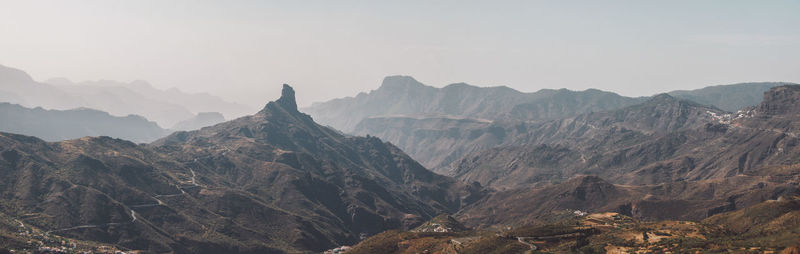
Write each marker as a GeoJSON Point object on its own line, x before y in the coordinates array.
{"type": "Point", "coordinates": [193, 102]}
{"type": "Point", "coordinates": [57, 125]}
{"type": "Point", "coordinates": [404, 96]}
{"type": "Point", "coordinates": [201, 120]}
{"type": "Point", "coordinates": [728, 97]}
{"type": "Point", "coordinates": [119, 99]}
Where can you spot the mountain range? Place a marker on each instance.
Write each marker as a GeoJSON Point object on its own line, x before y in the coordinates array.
{"type": "Point", "coordinates": [57, 125]}
{"type": "Point", "coordinates": [270, 182]}
{"type": "Point", "coordinates": [509, 165]}
{"type": "Point", "coordinates": [438, 126]}
{"type": "Point", "coordinates": [165, 107]}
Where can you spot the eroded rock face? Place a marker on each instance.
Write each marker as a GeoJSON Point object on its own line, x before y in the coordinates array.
{"type": "Point", "coordinates": [287, 100]}
{"type": "Point", "coordinates": [781, 101]}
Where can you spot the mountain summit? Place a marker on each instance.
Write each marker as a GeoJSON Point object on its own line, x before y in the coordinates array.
{"type": "Point", "coordinates": [287, 100]}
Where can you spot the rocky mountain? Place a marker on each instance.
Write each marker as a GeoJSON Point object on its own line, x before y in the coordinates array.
{"type": "Point", "coordinates": [663, 140]}
{"type": "Point", "coordinates": [730, 98]}
{"type": "Point", "coordinates": [403, 96]}
{"type": "Point", "coordinates": [57, 125]}
{"type": "Point", "coordinates": [201, 120]}
{"type": "Point", "coordinates": [166, 107]}
{"type": "Point", "coordinates": [690, 172]}
{"type": "Point", "coordinates": [438, 142]}
{"type": "Point", "coordinates": [437, 137]}
{"type": "Point", "coordinates": [271, 182]}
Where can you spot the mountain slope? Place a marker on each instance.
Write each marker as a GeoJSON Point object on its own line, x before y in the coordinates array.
{"type": "Point", "coordinates": [660, 141]}
{"type": "Point", "coordinates": [682, 200]}
{"type": "Point", "coordinates": [692, 172]}
{"type": "Point", "coordinates": [438, 142]}
{"type": "Point", "coordinates": [57, 125]}
{"type": "Point", "coordinates": [771, 226]}
{"type": "Point", "coordinates": [268, 183]}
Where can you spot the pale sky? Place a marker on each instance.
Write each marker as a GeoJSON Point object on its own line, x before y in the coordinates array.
{"type": "Point", "coordinates": [244, 50]}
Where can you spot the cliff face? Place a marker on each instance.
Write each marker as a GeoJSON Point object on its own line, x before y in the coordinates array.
{"type": "Point", "coordinates": [781, 101]}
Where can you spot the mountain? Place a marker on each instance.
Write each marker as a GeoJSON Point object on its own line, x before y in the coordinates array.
{"type": "Point", "coordinates": [769, 226]}
{"type": "Point", "coordinates": [774, 222]}
{"type": "Point", "coordinates": [403, 96]}
{"type": "Point", "coordinates": [409, 114]}
{"type": "Point", "coordinates": [201, 120]}
{"type": "Point", "coordinates": [438, 142]}
{"type": "Point", "coordinates": [687, 171]}
{"type": "Point", "coordinates": [438, 126]}
{"type": "Point", "coordinates": [193, 102]}
{"type": "Point", "coordinates": [663, 140]}
{"type": "Point", "coordinates": [730, 98]}
{"type": "Point", "coordinates": [57, 125]}
{"type": "Point", "coordinates": [17, 87]}
{"type": "Point", "coordinates": [272, 182]}
{"type": "Point", "coordinates": [166, 107]}
{"type": "Point", "coordinates": [603, 143]}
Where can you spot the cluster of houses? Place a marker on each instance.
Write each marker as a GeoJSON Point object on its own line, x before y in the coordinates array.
{"type": "Point", "coordinates": [338, 250]}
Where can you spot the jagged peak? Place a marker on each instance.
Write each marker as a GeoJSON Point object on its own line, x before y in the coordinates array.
{"type": "Point", "coordinates": [287, 99]}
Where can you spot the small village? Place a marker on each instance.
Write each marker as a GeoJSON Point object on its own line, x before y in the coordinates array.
{"type": "Point", "coordinates": [35, 240]}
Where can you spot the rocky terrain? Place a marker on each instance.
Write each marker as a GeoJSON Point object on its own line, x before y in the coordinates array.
{"type": "Point", "coordinates": [271, 182]}
{"type": "Point", "coordinates": [436, 136]}
{"type": "Point", "coordinates": [277, 182]}
{"type": "Point", "coordinates": [663, 140]}
{"type": "Point", "coordinates": [770, 226]}
{"type": "Point", "coordinates": [664, 159]}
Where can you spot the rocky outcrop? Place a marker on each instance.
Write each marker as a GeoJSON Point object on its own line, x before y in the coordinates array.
{"type": "Point", "coordinates": [781, 101]}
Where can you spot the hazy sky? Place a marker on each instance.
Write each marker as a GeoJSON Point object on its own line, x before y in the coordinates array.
{"type": "Point", "coordinates": [244, 50]}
